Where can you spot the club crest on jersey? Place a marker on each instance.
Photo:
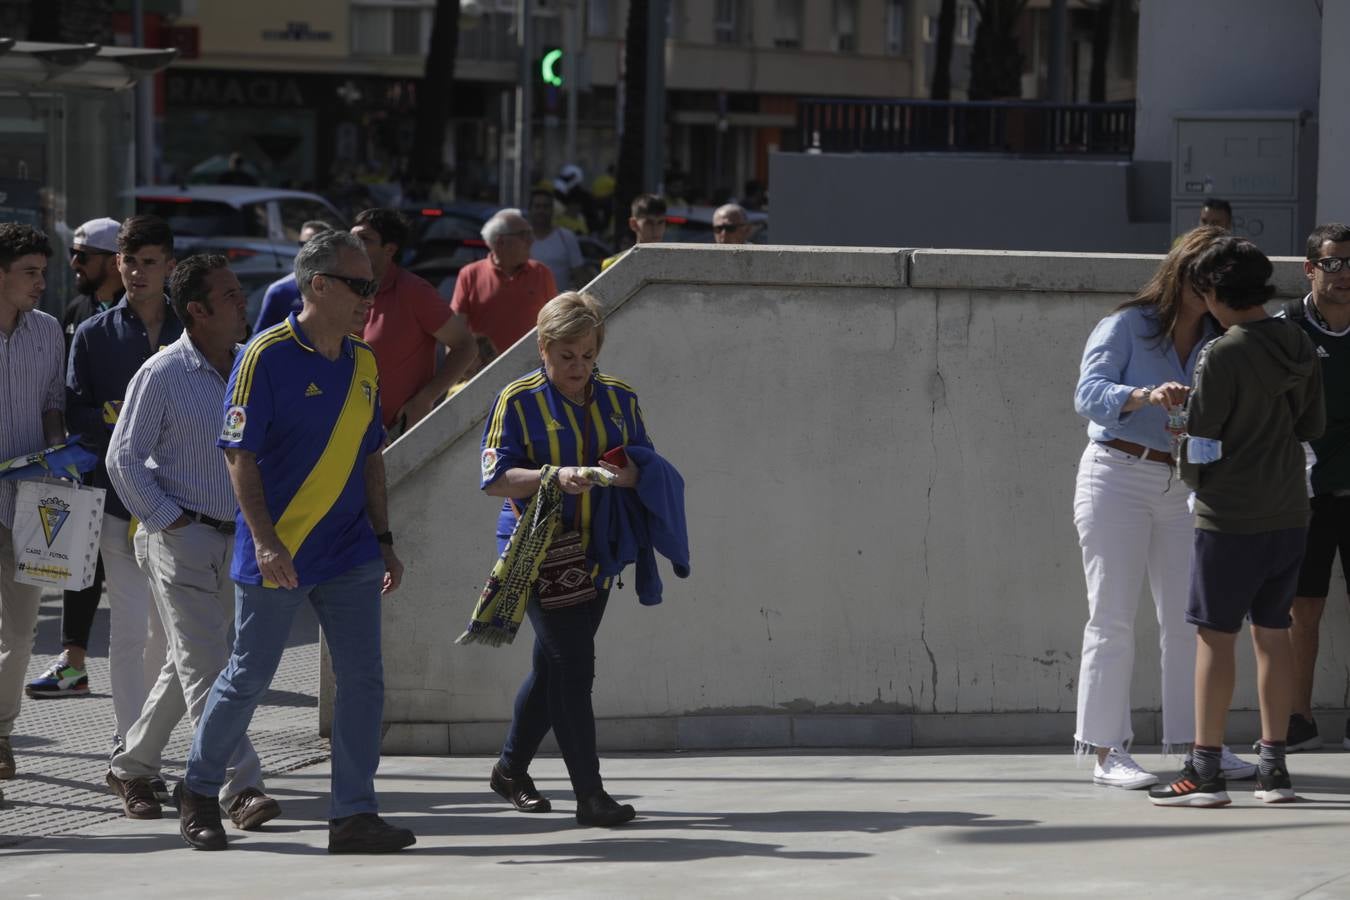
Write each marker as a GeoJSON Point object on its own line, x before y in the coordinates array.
{"type": "Point", "coordinates": [489, 462]}
{"type": "Point", "coordinates": [235, 418]}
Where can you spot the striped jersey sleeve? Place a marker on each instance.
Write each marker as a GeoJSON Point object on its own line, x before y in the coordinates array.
{"type": "Point", "coordinates": [249, 400]}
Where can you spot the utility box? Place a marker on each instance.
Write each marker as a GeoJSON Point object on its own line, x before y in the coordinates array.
{"type": "Point", "coordinates": [1262, 162]}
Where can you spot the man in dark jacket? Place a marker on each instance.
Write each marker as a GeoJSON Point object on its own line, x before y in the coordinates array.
{"type": "Point", "coordinates": [1257, 395]}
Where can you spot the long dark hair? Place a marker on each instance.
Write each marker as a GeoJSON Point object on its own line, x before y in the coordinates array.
{"type": "Point", "coordinates": [1163, 293]}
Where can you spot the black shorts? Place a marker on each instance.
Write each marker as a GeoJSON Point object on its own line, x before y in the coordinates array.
{"type": "Point", "coordinates": [1238, 575]}
{"type": "Point", "coordinates": [1328, 531]}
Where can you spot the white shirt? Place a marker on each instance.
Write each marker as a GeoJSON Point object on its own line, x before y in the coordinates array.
{"type": "Point", "coordinates": [561, 253]}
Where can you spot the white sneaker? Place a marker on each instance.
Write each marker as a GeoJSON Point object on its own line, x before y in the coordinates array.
{"type": "Point", "coordinates": [1120, 770]}
{"type": "Point", "coordinates": [1234, 767]}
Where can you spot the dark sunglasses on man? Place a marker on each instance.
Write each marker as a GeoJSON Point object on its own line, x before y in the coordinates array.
{"type": "Point", "coordinates": [362, 287]}
{"type": "Point", "coordinates": [723, 229]}
{"type": "Point", "coordinates": [1331, 264]}
{"type": "Point", "coordinates": [81, 256]}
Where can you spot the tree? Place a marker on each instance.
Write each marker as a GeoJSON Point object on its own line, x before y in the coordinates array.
{"type": "Point", "coordinates": [996, 58]}
{"type": "Point", "coordinates": [628, 171]}
{"type": "Point", "coordinates": [1101, 50]}
{"type": "Point", "coordinates": [434, 93]}
{"type": "Point", "coordinates": [942, 63]}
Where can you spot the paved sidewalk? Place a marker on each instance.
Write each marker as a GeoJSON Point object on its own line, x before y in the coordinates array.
{"type": "Point", "coordinates": [1012, 824]}
{"type": "Point", "coordinates": [62, 746]}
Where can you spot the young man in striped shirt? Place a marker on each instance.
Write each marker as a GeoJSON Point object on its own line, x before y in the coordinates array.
{"type": "Point", "coordinates": [31, 350]}
{"type": "Point", "coordinates": [185, 542]}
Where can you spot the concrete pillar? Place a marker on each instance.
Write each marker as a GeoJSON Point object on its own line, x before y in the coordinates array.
{"type": "Point", "coordinates": [1333, 177]}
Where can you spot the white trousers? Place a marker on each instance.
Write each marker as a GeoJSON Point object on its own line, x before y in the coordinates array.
{"type": "Point", "coordinates": [136, 642]}
{"type": "Point", "coordinates": [189, 573]}
{"type": "Point", "coordinates": [19, 605]}
{"type": "Point", "coordinates": [1132, 524]}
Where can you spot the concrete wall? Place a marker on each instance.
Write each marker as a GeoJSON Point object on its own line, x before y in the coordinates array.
{"type": "Point", "coordinates": [1333, 176]}
{"type": "Point", "coordinates": [880, 451]}
{"type": "Point", "coordinates": [1223, 54]}
{"type": "Point", "coordinates": [948, 200]}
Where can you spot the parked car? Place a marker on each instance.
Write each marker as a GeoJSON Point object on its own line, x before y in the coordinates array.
{"type": "Point", "coordinates": [693, 225]}
{"type": "Point", "coordinates": [256, 228]}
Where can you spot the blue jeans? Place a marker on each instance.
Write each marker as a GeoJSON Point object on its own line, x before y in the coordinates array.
{"type": "Point", "coordinates": [557, 693]}
{"type": "Point", "coordinates": [348, 608]}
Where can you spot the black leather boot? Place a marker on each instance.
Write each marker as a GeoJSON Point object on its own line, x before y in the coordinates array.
{"type": "Point", "coordinates": [602, 810]}
{"type": "Point", "coordinates": [520, 791]}
{"type": "Point", "coordinates": [199, 820]}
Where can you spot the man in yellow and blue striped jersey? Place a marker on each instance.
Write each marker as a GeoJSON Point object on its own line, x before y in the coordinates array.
{"type": "Point", "coordinates": [303, 440]}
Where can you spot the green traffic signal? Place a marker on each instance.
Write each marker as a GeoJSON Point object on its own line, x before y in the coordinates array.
{"type": "Point", "coordinates": [547, 68]}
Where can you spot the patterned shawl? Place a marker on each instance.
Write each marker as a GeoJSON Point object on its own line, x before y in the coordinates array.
{"type": "Point", "coordinates": [501, 605]}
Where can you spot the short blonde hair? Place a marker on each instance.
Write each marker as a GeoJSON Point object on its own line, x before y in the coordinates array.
{"type": "Point", "coordinates": [571, 316]}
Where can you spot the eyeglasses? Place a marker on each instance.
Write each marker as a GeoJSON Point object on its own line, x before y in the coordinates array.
{"type": "Point", "coordinates": [723, 229]}
{"type": "Point", "coordinates": [82, 256]}
{"type": "Point", "coordinates": [362, 287]}
{"type": "Point", "coordinates": [1332, 264]}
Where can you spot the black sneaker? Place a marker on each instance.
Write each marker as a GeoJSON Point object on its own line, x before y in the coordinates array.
{"type": "Point", "coordinates": [1302, 734]}
{"type": "Point", "coordinates": [1189, 790]}
{"type": "Point", "coordinates": [1275, 788]}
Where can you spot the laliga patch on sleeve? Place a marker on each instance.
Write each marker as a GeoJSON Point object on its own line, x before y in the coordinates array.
{"type": "Point", "coordinates": [489, 462]}
{"type": "Point", "coordinates": [235, 418]}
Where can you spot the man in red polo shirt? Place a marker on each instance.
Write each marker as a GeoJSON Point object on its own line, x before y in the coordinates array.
{"type": "Point", "coordinates": [501, 295]}
{"type": "Point", "coordinates": [405, 323]}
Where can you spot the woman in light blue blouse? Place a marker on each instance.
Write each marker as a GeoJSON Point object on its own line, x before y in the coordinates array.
{"type": "Point", "coordinates": [1130, 512]}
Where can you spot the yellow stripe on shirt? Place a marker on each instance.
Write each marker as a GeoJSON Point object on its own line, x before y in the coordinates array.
{"type": "Point", "coordinates": [327, 480]}
{"type": "Point", "coordinates": [554, 454]}
{"type": "Point", "coordinates": [494, 435]}
{"type": "Point", "coordinates": [243, 384]}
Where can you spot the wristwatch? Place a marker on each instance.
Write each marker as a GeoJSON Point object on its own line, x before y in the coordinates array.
{"type": "Point", "coordinates": [385, 537]}
{"type": "Point", "coordinates": [1148, 393]}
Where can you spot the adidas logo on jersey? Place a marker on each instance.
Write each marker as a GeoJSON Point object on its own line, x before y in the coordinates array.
{"type": "Point", "coordinates": [312, 390]}
{"type": "Point", "coordinates": [1322, 352]}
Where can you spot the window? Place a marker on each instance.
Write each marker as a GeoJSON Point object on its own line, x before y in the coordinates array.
{"type": "Point", "coordinates": [787, 24]}
{"type": "Point", "coordinates": [965, 24]}
{"type": "Point", "coordinates": [727, 22]}
{"type": "Point", "coordinates": [599, 18]}
{"type": "Point", "coordinates": [846, 26]}
{"type": "Point", "coordinates": [895, 27]}
{"type": "Point", "coordinates": [392, 27]}
{"type": "Point", "coordinates": [296, 211]}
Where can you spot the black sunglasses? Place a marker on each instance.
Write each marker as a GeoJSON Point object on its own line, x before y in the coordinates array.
{"type": "Point", "coordinates": [362, 287]}
{"type": "Point", "coordinates": [722, 229]}
{"type": "Point", "coordinates": [82, 256]}
{"type": "Point", "coordinates": [1331, 264]}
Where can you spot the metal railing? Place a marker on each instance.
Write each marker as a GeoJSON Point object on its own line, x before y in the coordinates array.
{"type": "Point", "coordinates": [900, 126]}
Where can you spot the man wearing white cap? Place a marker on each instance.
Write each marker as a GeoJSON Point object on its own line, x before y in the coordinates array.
{"type": "Point", "coordinates": [93, 257]}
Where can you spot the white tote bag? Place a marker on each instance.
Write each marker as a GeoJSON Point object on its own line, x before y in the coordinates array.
{"type": "Point", "coordinates": [57, 525]}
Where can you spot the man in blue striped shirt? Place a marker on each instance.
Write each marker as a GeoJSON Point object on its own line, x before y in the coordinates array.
{"type": "Point", "coordinates": [31, 347]}
{"type": "Point", "coordinates": [186, 507]}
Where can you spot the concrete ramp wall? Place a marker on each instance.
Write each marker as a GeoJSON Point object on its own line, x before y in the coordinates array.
{"type": "Point", "coordinates": [880, 450]}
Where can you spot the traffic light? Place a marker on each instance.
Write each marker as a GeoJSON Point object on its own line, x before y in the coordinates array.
{"type": "Point", "coordinates": [550, 68]}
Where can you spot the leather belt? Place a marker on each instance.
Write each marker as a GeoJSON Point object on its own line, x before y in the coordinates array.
{"type": "Point", "coordinates": [1139, 450]}
{"type": "Point", "coordinates": [219, 525]}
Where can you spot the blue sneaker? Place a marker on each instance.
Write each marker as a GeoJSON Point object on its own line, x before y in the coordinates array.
{"type": "Point", "coordinates": [60, 680]}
